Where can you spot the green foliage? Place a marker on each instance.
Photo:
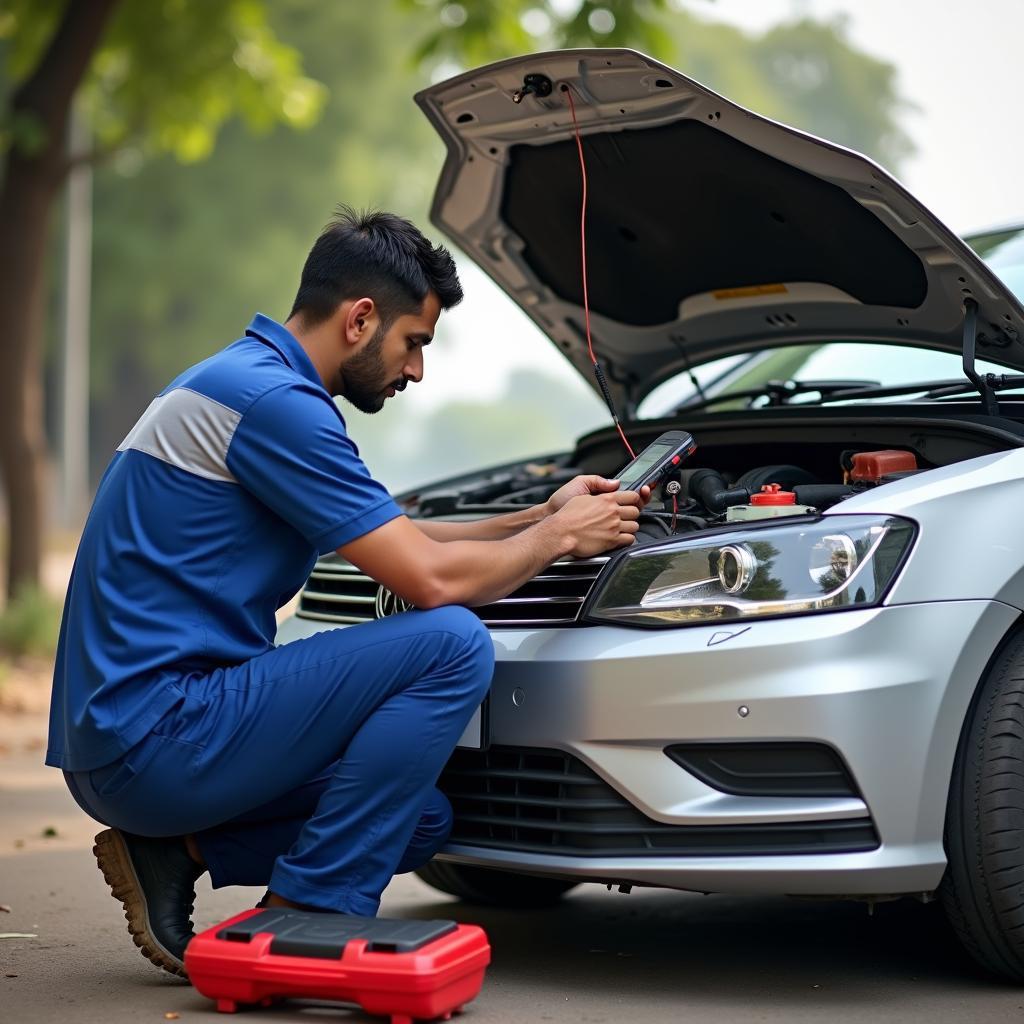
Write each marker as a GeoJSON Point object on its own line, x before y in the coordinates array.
{"type": "Point", "coordinates": [473, 33]}
{"type": "Point", "coordinates": [479, 31]}
{"type": "Point", "coordinates": [828, 88]}
{"type": "Point", "coordinates": [29, 624]}
{"type": "Point", "coordinates": [184, 254]}
{"type": "Point", "coordinates": [802, 73]}
{"type": "Point", "coordinates": [170, 73]}
{"type": "Point", "coordinates": [640, 24]}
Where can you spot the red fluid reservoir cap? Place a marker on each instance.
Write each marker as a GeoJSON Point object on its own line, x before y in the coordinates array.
{"type": "Point", "coordinates": [773, 494]}
{"type": "Point", "coordinates": [872, 466]}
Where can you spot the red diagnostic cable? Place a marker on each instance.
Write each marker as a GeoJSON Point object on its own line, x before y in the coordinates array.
{"type": "Point", "coordinates": [586, 298]}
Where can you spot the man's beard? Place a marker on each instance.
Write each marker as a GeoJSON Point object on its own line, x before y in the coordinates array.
{"type": "Point", "coordinates": [364, 377]}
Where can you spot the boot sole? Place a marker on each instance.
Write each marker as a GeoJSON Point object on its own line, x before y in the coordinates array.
{"type": "Point", "coordinates": [116, 864]}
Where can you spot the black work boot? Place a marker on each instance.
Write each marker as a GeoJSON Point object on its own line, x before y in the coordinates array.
{"type": "Point", "coordinates": [155, 880]}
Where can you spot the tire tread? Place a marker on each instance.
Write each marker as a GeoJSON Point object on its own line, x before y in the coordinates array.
{"type": "Point", "coordinates": [986, 796]}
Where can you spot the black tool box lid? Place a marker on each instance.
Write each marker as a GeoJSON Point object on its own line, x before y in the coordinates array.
{"type": "Point", "coordinates": [324, 936]}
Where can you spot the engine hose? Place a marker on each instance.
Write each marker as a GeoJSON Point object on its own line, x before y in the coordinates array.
{"type": "Point", "coordinates": [709, 488]}
{"type": "Point", "coordinates": [822, 495]}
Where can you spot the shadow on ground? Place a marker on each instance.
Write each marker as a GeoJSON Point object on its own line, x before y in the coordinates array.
{"type": "Point", "coordinates": [598, 957]}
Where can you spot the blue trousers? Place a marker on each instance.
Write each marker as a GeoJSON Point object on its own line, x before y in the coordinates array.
{"type": "Point", "coordinates": [311, 768]}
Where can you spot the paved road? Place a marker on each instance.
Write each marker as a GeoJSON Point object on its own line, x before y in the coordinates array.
{"type": "Point", "coordinates": [600, 957]}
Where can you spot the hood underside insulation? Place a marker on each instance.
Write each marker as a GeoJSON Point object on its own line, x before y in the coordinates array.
{"type": "Point", "coordinates": [683, 209]}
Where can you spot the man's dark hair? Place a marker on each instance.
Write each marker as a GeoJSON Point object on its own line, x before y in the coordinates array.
{"type": "Point", "coordinates": [379, 255]}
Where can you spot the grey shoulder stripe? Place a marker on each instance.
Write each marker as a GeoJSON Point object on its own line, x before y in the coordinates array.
{"type": "Point", "coordinates": [187, 430]}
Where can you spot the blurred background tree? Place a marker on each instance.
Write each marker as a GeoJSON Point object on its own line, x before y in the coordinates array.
{"type": "Point", "coordinates": [162, 77]}
{"type": "Point", "coordinates": [186, 248]}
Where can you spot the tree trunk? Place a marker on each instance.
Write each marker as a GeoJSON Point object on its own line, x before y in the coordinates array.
{"type": "Point", "coordinates": [31, 180]}
{"type": "Point", "coordinates": [24, 212]}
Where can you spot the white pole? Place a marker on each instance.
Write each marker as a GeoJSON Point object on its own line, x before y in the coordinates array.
{"type": "Point", "coordinates": [74, 364]}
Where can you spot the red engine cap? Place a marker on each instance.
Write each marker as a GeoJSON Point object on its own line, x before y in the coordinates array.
{"type": "Point", "coordinates": [773, 494]}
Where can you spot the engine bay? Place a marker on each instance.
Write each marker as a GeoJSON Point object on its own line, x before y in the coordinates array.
{"type": "Point", "coordinates": [740, 472]}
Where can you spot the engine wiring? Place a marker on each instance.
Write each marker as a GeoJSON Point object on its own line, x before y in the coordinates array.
{"type": "Point", "coordinates": [598, 369]}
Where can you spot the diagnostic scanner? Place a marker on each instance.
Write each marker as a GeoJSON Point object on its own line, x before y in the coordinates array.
{"type": "Point", "coordinates": [658, 458]}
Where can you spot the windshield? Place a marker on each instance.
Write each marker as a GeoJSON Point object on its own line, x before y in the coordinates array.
{"type": "Point", "coordinates": [885, 365]}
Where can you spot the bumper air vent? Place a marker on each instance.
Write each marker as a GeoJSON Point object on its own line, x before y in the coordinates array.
{"type": "Point", "coordinates": [766, 769]}
{"type": "Point", "coordinates": [549, 802]}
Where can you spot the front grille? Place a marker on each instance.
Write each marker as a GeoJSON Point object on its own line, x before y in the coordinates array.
{"type": "Point", "coordinates": [338, 592]}
{"type": "Point", "coordinates": [547, 801]}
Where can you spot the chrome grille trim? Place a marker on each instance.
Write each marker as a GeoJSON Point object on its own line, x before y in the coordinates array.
{"type": "Point", "coordinates": [345, 598]}
{"type": "Point", "coordinates": [338, 592]}
{"type": "Point", "coordinates": [338, 620]}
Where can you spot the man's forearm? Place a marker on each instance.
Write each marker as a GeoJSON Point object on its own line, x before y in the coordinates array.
{"type": "Point", "coordinates": [471, 575]}
{"type": "Point", "coordinates": [491, 528]}
{"type": "Point", "coordinates": [473, 572]}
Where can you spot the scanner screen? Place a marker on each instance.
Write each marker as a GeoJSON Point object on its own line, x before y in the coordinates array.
{"type": "Point", "coordinates": [644, 463]}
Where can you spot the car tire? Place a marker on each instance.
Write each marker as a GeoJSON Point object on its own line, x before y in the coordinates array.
{"type": "Point", "coordinates": [982, 891]}
{"type": "Point", "coordinates": [489, 888]}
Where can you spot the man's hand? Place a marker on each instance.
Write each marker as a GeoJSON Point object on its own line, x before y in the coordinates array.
{"type": "Point", "coordinates": [596, 523]}
{"type": "Point", "coordinates": [590, 484]}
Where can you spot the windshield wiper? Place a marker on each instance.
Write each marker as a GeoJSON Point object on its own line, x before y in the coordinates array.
{"type": "Point", "coordinates": [928, 388]}
{"type": "Point", "coordinates": [779, 392]}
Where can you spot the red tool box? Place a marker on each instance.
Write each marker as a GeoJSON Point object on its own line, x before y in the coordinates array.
{"type": "Point", "coordinates": [403, 969]}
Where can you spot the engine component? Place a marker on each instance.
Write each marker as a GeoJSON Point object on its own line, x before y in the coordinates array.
{"type": "Point", "coordinates": [772, 501]}
{"type": "Point", "coordinates": [823, 495]}
{"type": "Point", "coordinates": [709, 488]}
{"type": "Point", "coordinates": [651, 528]}
{"type": "Point", "coordinates": [870, 467]}
{"type": "Point", "coordinates": [787, 476]}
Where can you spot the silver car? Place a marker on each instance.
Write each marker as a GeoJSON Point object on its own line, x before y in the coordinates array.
{"type": "Point", "coordinates": [814, 688]}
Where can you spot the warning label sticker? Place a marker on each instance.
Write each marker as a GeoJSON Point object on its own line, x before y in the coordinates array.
{"type": "Point", "coordinates": [750, 291]}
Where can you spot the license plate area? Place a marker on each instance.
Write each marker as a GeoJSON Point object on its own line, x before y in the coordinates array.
{"type": "Point", "coordinates": [477, 735]}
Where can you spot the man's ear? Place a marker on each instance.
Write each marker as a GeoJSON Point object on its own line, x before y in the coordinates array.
{"type": "Point", "coordinates": [360, 320]}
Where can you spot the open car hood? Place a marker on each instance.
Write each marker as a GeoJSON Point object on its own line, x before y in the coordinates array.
{"type": "Point", "coordinates": [710, 230]}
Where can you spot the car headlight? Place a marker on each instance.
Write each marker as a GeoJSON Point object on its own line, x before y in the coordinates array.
{"type": "Point", "coordinates": [836, 563]}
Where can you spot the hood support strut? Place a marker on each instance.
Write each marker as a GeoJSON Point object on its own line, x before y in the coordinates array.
{"type": "Point", "coordinates": [984, 385]}
{"type": "Point", "coordinates": [990, 383]}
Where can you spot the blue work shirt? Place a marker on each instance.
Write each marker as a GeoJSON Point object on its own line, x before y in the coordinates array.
{"type": "Point", "coordinates": [209, 517]}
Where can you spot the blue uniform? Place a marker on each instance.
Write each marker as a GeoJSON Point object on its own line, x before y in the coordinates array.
{"type": "Point", "coordinates": [310, 766]}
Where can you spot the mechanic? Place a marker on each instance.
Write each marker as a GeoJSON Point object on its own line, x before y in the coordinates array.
{"type": "Point", "coordinates": [308, 768]}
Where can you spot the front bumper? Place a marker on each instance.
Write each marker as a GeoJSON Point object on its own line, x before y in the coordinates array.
{"type": "Point", "coordinates": [887, 688]}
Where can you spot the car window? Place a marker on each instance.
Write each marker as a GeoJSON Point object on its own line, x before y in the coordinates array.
{"type": "Point", "coordinates": [680, 388]}
{"type": "Point", "coordinates": [889, 365]}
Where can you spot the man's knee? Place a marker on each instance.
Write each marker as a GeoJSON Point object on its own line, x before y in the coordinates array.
{"type": "Point", "coordinates": [475, 654]}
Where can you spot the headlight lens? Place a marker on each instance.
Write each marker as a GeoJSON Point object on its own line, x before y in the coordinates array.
{"type": "Point", "coordinates": [837, 563]}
